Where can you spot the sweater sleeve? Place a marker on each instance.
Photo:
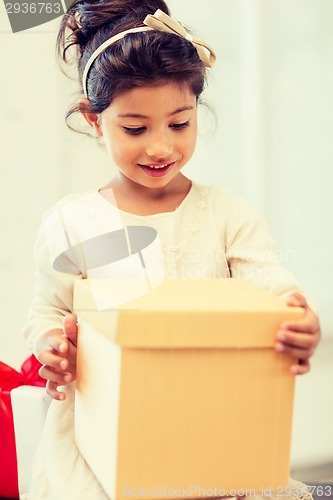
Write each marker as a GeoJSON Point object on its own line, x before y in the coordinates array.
{"type": "Point", "coordinates": [251, 252]}
{"type": "Point", "coordinates": [53, 296]}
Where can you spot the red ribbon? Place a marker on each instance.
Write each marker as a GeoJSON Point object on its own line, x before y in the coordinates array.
{"type": "Point", "coordinates": [10, 379]}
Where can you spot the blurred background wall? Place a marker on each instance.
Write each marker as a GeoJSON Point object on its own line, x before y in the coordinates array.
{"type": "Point", "coordinates": [273, 144]}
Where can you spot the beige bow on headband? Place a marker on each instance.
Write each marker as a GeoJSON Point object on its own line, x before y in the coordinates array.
{"type": "Point", "coordinates": [160, 21]}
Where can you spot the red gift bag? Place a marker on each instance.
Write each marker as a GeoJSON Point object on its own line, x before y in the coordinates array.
{"type": "Point", "coordinates": [10, 379]}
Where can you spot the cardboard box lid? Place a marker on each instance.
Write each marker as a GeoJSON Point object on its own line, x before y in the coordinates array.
{"type": "Point", "coordinates": [179, 313]}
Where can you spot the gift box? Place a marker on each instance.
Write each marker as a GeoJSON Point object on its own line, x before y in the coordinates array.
{"type": "Point", "coordinates": [30, 405]}
{"type": "Point", "coordinates": [180, 393]}
{"type": "Point", "coordinates": [12, 435]}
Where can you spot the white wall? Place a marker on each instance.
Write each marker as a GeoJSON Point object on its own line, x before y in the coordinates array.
{"type": "Point", "coordinates": [272, 93]}
{"type": "Point", "coordinates": [40, 162]}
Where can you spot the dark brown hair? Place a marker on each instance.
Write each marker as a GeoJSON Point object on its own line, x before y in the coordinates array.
{"type": "Point", "coordinates": [141, 59]}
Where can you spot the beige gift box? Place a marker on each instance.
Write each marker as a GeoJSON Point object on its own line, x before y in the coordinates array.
{"type": "Point", "coordinates": [180, 393]}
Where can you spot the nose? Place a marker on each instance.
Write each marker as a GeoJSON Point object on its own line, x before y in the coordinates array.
{"type": "Point", "coordinates": [159, 146]}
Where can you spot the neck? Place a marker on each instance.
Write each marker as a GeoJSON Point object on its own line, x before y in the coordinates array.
{"type": "Point", "coordinates": [125, 186]}
{"type": "Point", "coordinates": [141, 200]}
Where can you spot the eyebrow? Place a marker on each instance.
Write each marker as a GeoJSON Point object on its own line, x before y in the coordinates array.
{"type": "Point", "coordinates": [136, 115]}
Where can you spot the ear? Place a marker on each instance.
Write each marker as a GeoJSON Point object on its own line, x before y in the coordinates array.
{"type": "Point", "coordinates": [92, 118]}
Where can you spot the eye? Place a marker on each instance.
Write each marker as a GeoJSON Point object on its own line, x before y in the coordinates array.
{"type": "Point", "coordinates": [180, 126]}
{"type": "Point", "coordinates": [134, 130]}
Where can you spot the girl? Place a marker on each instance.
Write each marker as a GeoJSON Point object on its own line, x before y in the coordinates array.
{"type": "Point", "coordinates": [142, 75]}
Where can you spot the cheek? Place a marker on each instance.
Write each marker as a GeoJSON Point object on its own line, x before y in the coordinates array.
{"type": "Point", "coordinates": [122, 148]}
{"type": "Point", "coordinates": [190, 142]}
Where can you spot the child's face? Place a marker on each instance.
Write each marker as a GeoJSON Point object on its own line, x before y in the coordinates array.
{"type": "Point", "coordinates": [150, 127]}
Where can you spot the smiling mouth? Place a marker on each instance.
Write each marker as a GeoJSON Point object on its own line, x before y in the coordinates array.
{"type": "Point", "coordinates": [157, 170]}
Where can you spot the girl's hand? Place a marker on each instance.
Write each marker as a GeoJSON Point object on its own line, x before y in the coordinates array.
{"type": "Point", "coordinates": [59, 358]}
{"type": "Point", "coordinates": [299, 338]}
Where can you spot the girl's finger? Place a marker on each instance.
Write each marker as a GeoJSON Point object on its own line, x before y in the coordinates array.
{"type": "Point", "coordinates": [300, 340]}
{"type": "Point", "coordinates": [58, 343]}
{"type": "Point", "coordinates": [296, 299]}
{"type": "Point", "coordinates": [51, 389]}
{"type": "Point", "coordinates": [302, 367]}
{"type": "Point", "coordinates": [308, 324]}
{"type": "Point", "coordinates": [48, 358]}
{"type": "Point", "coordinates": [294, 352]}
{"type": "Point", "coordinates": [70, 328]}
{"type": "Point", "coordinates": [54, 376]}
{"type": "Point", "coordinates": [302, 326]}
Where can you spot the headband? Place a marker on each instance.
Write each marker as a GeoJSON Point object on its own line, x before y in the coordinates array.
{"type": "Point", "coordinates": [160, 21]}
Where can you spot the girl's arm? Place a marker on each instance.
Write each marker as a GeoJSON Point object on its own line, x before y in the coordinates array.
{"type": "Point", "coordinates": [51, 330]}
{"type": "Point", "coordinates": [252, 255]}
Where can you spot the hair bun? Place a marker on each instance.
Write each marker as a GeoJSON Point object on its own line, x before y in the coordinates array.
{"type": "Point", "coordinates": [84, 18]}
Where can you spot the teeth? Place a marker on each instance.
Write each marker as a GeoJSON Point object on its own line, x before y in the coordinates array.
{"type": "Point", "coordinates": [155, 167]}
